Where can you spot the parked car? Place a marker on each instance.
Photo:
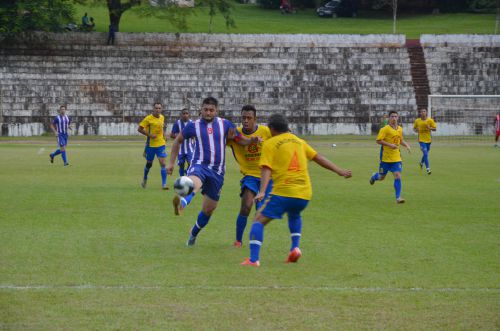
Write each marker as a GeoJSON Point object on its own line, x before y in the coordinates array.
{"type": "Point", "coordinates": [335, 8]}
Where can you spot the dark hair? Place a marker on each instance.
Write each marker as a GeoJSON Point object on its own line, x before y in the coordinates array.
{"type": "Point", "coordinates": [210, 101]}
{"type": "Point", "coordinates": [393, 112]}
{"type": "Point", "coordinates": [157, 103]}
{"type": "Point", "coordinates": [61, 106]}
{"type": "Point", "coordinates": [278, 123]}
{"type": "Point", "coordinates": [250, 108]}
{"type": "Point", "coordinates": [184, 109]}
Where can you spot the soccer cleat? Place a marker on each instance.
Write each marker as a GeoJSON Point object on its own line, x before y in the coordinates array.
{"type": "Point", "coordinates": [372, 181]}
{"type": "Point", "coordinates": [144, 183]}
{"type": "Point", "coordinates": [248, 262]}
{"type": "Point", "coordinates": [294, 255]}
{"type": "Point", "coordinates": [177, 205]}
{"type": "Point", "coordinates": [400, 200]}
{"type": "Point", "coordinates": [237, 244]}
{"type": "Point", "coordinates": [164, 187]}
{"type": "Point", "coordinates": [66, 164]}
{"type": "Point", "coordinates": [421, 165]}
{"type": "Point", "coordinates": [191, 241]}
{"type": "Point", "coordinates": [429, 171]}
{"type": "Point", "coordinates": [51, 158]}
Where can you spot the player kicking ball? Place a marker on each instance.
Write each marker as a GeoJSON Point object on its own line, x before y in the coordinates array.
{"type": "Point", "coordinates": [390, 137]}
{"type": "Point", "coordinates": [284, 158]}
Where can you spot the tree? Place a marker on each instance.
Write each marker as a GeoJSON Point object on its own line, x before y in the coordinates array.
{"type": "Point", "coordinates": [224, 7]}
{"type": "Point", "coordinates": [20, 18]}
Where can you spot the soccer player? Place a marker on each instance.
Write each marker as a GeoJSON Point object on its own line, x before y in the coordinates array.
{"type": "Point", "coordinates": [60, 127]}
{"type": "Point", "coordinates": [284, 158]}
{"type": "Point", "coordinates": [153, 127]}
{"type": "Point", "coordinates": [423, 126]}
{"type": "Point", "coordinates": [186, 150]}
{"type": "Point", "coordinates": [208, 164]}
{"type": "Point", "coordinates": [390, 137]}
{"type": "Point", "coordinates": [248, 158]}
{"type": "Point", "coordinates": [497, 126]}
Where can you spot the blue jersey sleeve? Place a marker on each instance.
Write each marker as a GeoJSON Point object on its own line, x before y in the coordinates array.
{"type": "Point", "coordinates": [189, 131]}
{"type": "Point", "coordinates": [175, 128]}
{"type": "Point", "coordinates": [229, 125]}
{"type": "Point", "coordinates": [55, 120]}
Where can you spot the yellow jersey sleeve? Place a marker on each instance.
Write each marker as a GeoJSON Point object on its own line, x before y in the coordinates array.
{"type": "Point", "coordinates": [155, 126]}
{"type": "Point", "coordinates": [287, 156]}
{"type": "Point", "coordinates": [248, 157]}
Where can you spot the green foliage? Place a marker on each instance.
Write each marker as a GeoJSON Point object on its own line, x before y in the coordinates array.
{"type": "Point", "coordinates": [223, 7]}
{"type": "Point", "coordinates": [20, 18]}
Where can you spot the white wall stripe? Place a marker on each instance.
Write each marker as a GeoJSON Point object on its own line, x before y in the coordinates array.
{"type": "Point", "coordinates": [251, 288]}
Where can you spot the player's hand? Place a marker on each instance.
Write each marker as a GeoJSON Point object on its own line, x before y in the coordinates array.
{"type": "Point", "coordinates": [259, 197]}
{"type": "Point", "coordinates": [256, 139]}
{"type": "Point", "coordinates": [170, 169]}
{"type": "Point", "coordinates": [152, 135]}
{"type": "Point", "coordinates": [408, 149]}
{"type": "Point", "coordinates": [231, 133]}
{"type": "Point", "coordinates": [393, 146]}
{"type": "Point", "coordinates": [346, 173]}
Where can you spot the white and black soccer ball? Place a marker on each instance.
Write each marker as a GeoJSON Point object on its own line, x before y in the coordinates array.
{"type": "Point", "coordinates": [183, 186]}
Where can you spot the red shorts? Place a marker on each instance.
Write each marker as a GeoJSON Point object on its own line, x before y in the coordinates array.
{"type": "Point", "coordinates": [498, 134]}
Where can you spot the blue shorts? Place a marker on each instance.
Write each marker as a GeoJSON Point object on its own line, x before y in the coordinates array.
{"type": "Point", "coordinates": [151, 152]}
{"type": "Point", "coordinates": [211, 181]}
{"type": "Point", "coordinates": [253, 184]}
{"type": "Point", "coordinates": [385, 167]}
{"type": "Point", "coordinates": [426, 146]}
{"type": "Point", "coordinates": [62, 139]}
{"type": "Point", "coordinates": [184, 158]}
{"type": "Point", "coordinates": [275, 206]}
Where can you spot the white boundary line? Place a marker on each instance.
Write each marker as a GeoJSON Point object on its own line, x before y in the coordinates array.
{"type": "Point", "coordinates": [248, 288]}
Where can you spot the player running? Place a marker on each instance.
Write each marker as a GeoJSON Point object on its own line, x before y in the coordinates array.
{"type": "Point", "coordinates": [60, 127]}
{"type": "Point", "coordinates": [186, 150]}
{"type": "Point", "coordinates": [284, 158]}
{"type": "Point", "coordinates": [390, 137]}
{"type": "Point", "coordinates": [153, 127]}
{"type": "Point", "coordinates": [208, 164]}
{"type": "Point", "coordinates": [497, 126]}
{"type": "Point", "coordinates": [248, 158]}
{"type": "Point", "coordinates": [423, 126]}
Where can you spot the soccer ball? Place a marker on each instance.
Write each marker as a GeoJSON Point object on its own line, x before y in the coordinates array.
{"type": "Point", "coordinates": [183, 186]}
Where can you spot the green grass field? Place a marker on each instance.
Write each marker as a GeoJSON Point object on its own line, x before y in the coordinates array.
{"type": "Point", "coordinates": [86, 248]}
{"type": "Point", "coordinates": [253, 19]}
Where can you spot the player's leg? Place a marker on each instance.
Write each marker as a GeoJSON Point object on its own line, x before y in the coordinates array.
{"type": "Point", "coordinates": [380, 175]}
{"type": "Point", "coordinates": [397, 168]}
{"type": "Point", "coordinates": [295, 207]}
{"type": "Point", "coordinates": [182, 202]}
{"type": "Point", "coordinates": [150, 156]}
{"type": "Point", "coordinates": [428, 167]}
{"type": "Point", "coordinates": [247, 196]}
{"type": "Point", "coordinates": [425, 155]}
{"type": "Point", "coordinates": [161, 154]}
{"type": "Point", "coordinates": [496, 138]}
{"type": "Point", "coordinates": [56, 152]}
{"type": "Point", "coordinates": [63, 142]}
{"type": "Point", "coordinates": [180, 163]}
{"type": "Point", "coordinates": [207, 209]}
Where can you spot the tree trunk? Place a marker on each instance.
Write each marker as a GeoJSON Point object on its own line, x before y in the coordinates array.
{"type": "Point", "coordinates": [394, 15]}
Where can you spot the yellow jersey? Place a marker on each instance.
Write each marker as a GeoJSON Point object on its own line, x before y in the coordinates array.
{"type": "Point", "coordinates": [388, 134]}
{"type": "Point", "coordinates": [287, 156]}
{"type": "Point", "coordinates": [248, 157]}
{"type": "Point", "coordinates": [424, 134]}
{"type": "Point", "coordinates": [155, 126]}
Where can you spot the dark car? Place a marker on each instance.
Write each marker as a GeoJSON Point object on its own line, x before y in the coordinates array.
{"type": "Point", "coordinates": [335, 8]}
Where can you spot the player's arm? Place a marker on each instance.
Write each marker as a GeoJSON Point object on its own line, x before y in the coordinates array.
{"type": "Point", "coordinates": [431, 126]}
{"type": "Point", "coordinates": [265, 177]}
{"type": "Point", "coordinates": [327, 164]}
{"type": "Point", "coordinates": [165, 136]}
{"type": "Point", "coordinates": [415, 127]}
{"type": "Point", "coordinates": [388, 144]}
{"type": "Point", "coordinates": [144, 132]}
{"type": "Point", "coordinates": [406, 145]}
{"type": "Point", "coordinates": [176, 146]}
{"type": "Point", "coordinates": [53, 128]}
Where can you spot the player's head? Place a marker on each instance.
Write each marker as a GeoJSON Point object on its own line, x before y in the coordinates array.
{"type": "Point", "coordinates": [209, 108]}
{"type": "Point", "coordinates": [393, 117]}
{"type": "Point", "coordinates": [423, 113]}
{"type": "Point", "coordinates": [248, 117]}
{"type": "Point", "coordinates": [277, 124]}
{"type": "Point", "coordinates": [157, 109]}
{"type": "Point", "coordinates": [62, 110]}
{"type": "Point", "coordinates": [184, 114]}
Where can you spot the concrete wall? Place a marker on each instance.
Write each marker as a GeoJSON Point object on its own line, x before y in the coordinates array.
{"type": "Point", "coordinates": [325, 84]}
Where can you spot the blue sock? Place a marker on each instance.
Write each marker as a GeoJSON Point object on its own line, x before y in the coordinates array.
{"type": "Point", "coordinates": [63, 154]}
{"type": "Point", "coordinates": [397, 187]}
{"type": "Point", "coordinates": [146, 172]}
{"type": "Point", "coordinates": [57, 152]}
{"type": "Point", "coordinates": [201, 222]}
{"type": "Point", "coordinates": [375, 176]}
{"type": "Point", "coordinates": [425, 158]}
{"type": "Point", "coordinates": [256, 239]}
{"type": "Point", "coordinates": [163, 172]}
{"type": "Point", "coordinates": [181, 170]}
{"type": "Point", "coordinates": [187, 199]}
{"type": "Point", "coordinates": [295, 226]}
{"type": "Point", "coordinates": [241, 223]}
